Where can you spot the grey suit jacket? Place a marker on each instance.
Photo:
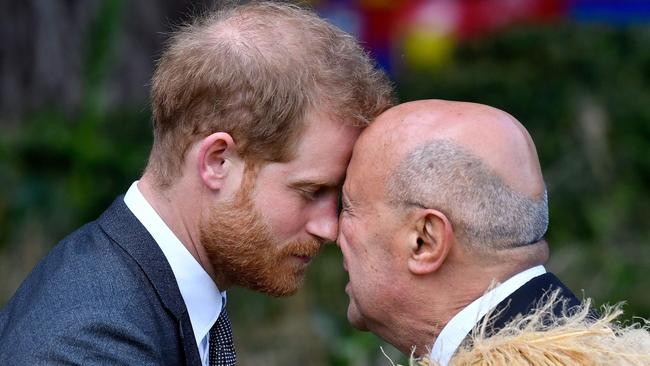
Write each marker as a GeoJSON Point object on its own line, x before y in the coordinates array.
{"type": "Point", "coordinates": [104, 295]}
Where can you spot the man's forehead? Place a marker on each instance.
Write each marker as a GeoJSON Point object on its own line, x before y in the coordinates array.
{"type": "Point", "coordinates": [366, 175]}
{"type": "Point", "coordinates": [382, 146]}
{"type": "Point", "coordinates": [378, 151]}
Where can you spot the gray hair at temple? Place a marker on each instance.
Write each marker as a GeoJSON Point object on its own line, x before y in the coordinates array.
{"type": "Point", "coordinates": [486, 214]}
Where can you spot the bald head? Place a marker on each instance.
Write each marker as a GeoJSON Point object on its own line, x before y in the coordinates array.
{"type": "Point", "coordinates": [474, 163]}
{"type": "Point", "coordinates": [492, 135]}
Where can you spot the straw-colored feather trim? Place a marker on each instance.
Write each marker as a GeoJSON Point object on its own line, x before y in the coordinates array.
{"type": "Point", "coordinates": [541, 338]}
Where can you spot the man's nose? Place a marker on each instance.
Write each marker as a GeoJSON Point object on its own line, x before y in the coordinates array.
{"type": "Point", "coordinates": [338, 232]}
{"type": "Point", "coordinates": [324, 223]}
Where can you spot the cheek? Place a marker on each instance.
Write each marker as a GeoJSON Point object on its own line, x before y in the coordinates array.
{"type": "Point", "coordinates": [283, 212]}
{"type": "Point", "coordinates": [346, 237]}
{"type": "Point", "coordinates": [355, 236]}
{"type": "Point", "coordinates": [354, 253]}
{"type": "Point", "coordinates": [368, 264]}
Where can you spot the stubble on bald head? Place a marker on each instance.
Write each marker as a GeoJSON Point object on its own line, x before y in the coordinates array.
{"type": "Point", "coordinates": [487, 214]}
{"type": "Point", "coordinates": [475, 164]}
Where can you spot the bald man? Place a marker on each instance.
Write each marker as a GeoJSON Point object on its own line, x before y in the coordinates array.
{"type": "Point", "coordinates": [444, 216]}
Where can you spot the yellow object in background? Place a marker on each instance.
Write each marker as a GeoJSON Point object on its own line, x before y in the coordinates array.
{"type": "Point", "coordinates": [427, 49]}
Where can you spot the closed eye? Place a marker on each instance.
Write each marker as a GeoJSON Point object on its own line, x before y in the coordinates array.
{"type": "Point", "coordinates": [314, 189]}
{"type": "Point", "coordinates": [310, 193]}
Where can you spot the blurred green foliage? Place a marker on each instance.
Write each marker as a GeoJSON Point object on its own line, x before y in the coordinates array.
{"type": "Point", "coordinates": [61, 168]}
{"type": "Point", "coordinates": [582, 91]}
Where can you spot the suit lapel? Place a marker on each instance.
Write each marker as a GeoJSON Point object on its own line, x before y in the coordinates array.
{"type": "Point", "coordinates": [525, 299]}
{"type": "Point", "coordinates": [119, 223]}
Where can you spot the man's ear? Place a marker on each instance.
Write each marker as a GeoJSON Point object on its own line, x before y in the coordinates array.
{"type": "Point", "coordinates": [430, 242]}
{"type": "Point", "coordinates": [217, 153]}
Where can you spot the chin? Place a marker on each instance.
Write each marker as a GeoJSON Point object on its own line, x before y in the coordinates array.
{"type": "Point", "coordinates": [281, 293]}
{"type": "Point", "coordinates": [355, 319]}
{"type": "Point", "coordinates": [283, 287]}
{"type": "Point", "coordinates": [284, 292]}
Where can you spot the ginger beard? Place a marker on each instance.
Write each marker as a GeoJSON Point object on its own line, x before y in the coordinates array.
{"type": "Point", "coordinates": [241, 246]}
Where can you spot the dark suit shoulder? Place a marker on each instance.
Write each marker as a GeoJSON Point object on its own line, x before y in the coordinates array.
{"type": "Point", "coordinates": [526, 299]}
{"type": "Point", "coordinates": [84, 268]}
{"type": "Point", "coordinates": [87, 300]}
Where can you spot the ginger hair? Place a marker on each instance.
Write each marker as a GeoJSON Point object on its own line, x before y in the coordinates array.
{"type": "Point", "coordinates": [255, 71]}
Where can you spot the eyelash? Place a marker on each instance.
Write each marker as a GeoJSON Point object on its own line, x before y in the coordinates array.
{"type": "Point", "coordinates": [309, 194]}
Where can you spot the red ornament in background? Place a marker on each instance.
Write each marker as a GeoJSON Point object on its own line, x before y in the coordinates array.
{"type": "Point", "coordinates": [480, 17]}
{"type": "Point", "coordinates": [423, 33]}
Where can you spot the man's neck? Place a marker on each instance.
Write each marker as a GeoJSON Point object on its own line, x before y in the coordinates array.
{"type": "Point", "coordinates": [180, 215]}
{"type": "Point", "coordinates": [427, 313]}
{"type": "Point", "coordinates": [461, 324]}
{"type": "Point", "coordinates": [453, 296]}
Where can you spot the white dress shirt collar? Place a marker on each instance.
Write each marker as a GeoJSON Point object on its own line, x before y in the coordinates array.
{"type": "Point", "coordinates": [453, 334]}
{"type": "Point", "coordinates": [202, 298]}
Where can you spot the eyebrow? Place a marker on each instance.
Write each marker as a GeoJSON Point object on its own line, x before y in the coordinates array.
{"type": "Point", "coordinates": [315, 183]}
